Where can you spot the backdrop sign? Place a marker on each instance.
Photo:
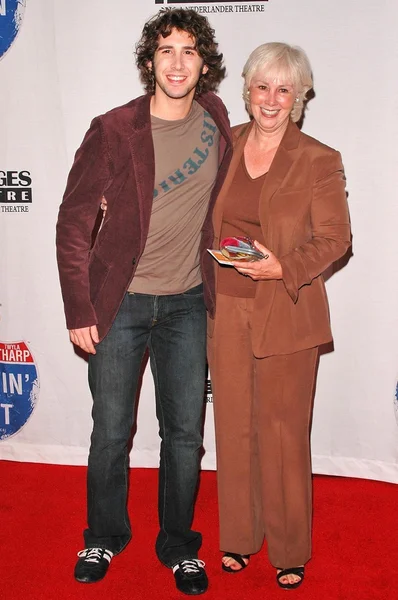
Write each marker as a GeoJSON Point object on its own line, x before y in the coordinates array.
{"type": "Point", "coordinates": [19, 386]}
{"type": "Point", "coordinates": [65, 69]}
{"type": "Point", "coordinates": [215, 6]}
{"type": "Point", "coordinates": [15, 191]}
{"type": "Point", "coordinates": [11, 16]}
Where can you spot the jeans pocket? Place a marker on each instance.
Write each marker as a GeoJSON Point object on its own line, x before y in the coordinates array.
{"type": "Point", "coordinates": [195, 291]}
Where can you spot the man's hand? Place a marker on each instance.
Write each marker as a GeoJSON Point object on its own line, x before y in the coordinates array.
{"type": "Point", "coordinates": [85, 338]}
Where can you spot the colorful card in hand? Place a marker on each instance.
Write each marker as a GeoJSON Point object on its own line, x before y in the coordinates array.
{"type": "Point", "coordinates": [240, 248]}
{"type": "Point", "coordinates": [220, 258]}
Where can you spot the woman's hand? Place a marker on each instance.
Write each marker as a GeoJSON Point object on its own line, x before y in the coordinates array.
{"type": "Point", "coordinates": [260, 270]}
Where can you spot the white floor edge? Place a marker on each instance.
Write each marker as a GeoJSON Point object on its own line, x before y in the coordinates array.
{"type": "Point", "coordinates": [77, 456]}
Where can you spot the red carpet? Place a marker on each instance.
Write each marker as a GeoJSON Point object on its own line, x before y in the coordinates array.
{"type": "Point", "coordinates": [42, 512]}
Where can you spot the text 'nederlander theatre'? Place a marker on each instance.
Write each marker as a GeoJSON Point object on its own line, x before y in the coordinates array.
{"type": "Point", "coordinates": [216, 6]}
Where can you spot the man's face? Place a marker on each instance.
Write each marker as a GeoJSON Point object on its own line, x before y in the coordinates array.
{"type": "Point", "coordinates": [177, 66]}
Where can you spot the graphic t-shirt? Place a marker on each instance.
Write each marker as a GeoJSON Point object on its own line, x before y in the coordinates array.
{"type": "Point", "coordinates": [186, 163]}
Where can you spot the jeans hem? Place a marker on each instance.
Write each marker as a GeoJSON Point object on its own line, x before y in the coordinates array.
{"type": "Point", "coordinates": [175, 561]}
{"type": "Point", "coordinates": [108, 547]}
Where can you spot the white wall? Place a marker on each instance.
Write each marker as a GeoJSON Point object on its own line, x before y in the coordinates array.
{"type": "Point", "coordinates": [74, 60]}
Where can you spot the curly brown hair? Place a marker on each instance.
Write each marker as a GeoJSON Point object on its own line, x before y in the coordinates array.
{"type": "Point", "coordinates": [196, 26]}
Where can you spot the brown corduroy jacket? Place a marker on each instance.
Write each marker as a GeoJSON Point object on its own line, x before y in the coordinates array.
{"type": "Point", "coordinates": [116, 159]}
{"type": "Point", "coordinates": [305, 222]}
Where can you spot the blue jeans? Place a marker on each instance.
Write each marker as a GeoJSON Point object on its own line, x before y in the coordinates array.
{"type": "Point", "coordinates": [173, 328]}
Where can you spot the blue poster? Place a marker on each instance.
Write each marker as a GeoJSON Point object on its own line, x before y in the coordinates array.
{"type": "Point", "coordinates": [19, 387]}
{"type": "Point", "coordinates": [11, 16]}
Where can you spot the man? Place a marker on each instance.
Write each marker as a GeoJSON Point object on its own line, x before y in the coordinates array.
{"type": "Point", "coordinates": [159, 161]}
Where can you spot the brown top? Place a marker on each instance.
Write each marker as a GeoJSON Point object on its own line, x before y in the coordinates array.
{"type": "Point", "coordinates": [186, 162]}
{"type": "Point", "coordinates": [241, 217]}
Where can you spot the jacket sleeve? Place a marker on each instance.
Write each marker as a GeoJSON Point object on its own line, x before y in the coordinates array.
{"type": "Point", "coordinates": [88, 179]}
{"type": "Point", "coordinates": [330, 224]}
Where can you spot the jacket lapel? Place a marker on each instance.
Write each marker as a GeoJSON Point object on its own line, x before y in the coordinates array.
{"type": "Point", "coordinates": [143, 160]}
{"type": "Point", "coordinates": [280, 167]}
{"type": "Point", "coordinates": [221, 120]}
{"type": "Point", "coordinates": [240, 136]}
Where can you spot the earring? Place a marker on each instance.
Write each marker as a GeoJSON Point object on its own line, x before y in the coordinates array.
{"type": "Point", "coordinates": [297, 99]}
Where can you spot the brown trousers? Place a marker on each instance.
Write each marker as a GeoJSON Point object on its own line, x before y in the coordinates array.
{"type": "Point", "coordinates": [262, 411]}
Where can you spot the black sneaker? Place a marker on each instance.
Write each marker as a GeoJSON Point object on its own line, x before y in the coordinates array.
{"type": "Point", "coordinates": [92, 565]}
{"type": "Point", "coordinates": [191, 577]}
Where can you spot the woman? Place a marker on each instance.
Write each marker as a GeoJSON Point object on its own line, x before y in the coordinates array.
{"type": "Point", "coordinates": [285, 190]}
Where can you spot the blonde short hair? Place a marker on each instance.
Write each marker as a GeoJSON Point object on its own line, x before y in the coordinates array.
{"type": "Point", "coordinates": [281, 60]}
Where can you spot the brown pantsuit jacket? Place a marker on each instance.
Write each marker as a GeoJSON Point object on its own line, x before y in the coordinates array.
{"type": "Point", "coordinates": [305, 222]}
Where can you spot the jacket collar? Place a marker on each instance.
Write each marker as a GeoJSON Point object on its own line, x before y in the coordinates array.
{"type": "Point", "coordinates": [279, 169]}
{"type": "Point", "coordinates": [141, 117]}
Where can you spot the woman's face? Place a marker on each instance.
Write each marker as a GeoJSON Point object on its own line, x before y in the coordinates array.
{"type": "Point", "coordinates": [271, 101]}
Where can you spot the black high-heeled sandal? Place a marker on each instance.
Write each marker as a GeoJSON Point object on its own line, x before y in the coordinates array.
{"type": "Point", "coordinates": [238, 558]}
{"type": "Point", "coordinates": [299, 571]}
